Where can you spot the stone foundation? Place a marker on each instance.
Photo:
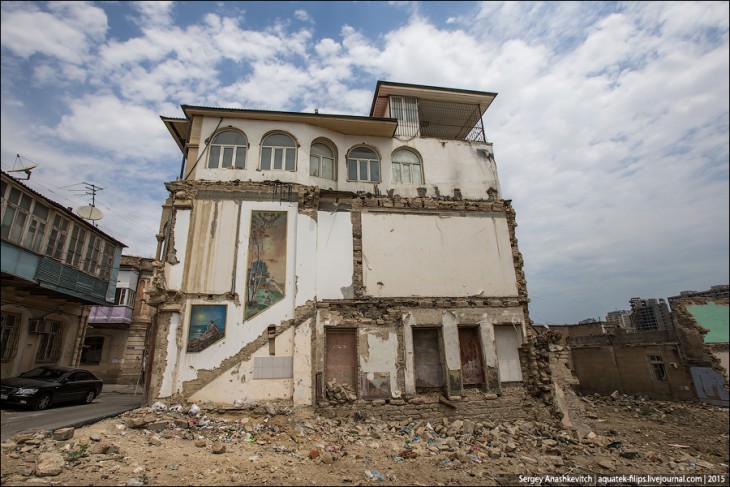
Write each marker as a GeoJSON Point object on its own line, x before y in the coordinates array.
{"type": "Point", "coordinates": [513, 403]}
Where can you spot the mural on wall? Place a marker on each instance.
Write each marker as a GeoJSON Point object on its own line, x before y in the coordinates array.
{"type": "Point", "coordinates": [207, 326]}
{"type": "Point", "coordinates": [266, 279]}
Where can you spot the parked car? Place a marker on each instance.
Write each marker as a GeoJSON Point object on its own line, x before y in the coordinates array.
{"type": "Point", "coordinates": [50, 384]}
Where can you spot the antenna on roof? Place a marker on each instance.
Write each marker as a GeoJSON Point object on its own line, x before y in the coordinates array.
{"type": "Point", "coordinates": [23, 168]}
{"type": "Point", "coordinates": [91, 212]}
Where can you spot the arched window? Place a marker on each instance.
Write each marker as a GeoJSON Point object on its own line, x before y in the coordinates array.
{"type": "Point", "coordinates": [407, 167]}
{"type": "Point", "coordinates": [363, 165]}
{"type": "Point", "coordinates": [278, 151]}
{"type": "Point", "coordinates": [321, 161]}
{"type": "Point", "coordinates": [228, 149]}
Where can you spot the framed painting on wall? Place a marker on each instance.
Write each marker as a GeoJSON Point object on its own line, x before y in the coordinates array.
{"type": "Point", "coordinates": [266, 270]}
{"type": "Point", "coordinates": [207, 326]}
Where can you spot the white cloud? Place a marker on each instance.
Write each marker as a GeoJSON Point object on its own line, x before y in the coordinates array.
{"type": "Point", "coordinates": [610, 128]}
{"type": "Point", "coordinates": [107, 124]}
{"type": "Point", "coordinates": [66, 39]}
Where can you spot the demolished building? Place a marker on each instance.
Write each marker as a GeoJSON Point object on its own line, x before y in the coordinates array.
{"type": "Point", "coordinates": [329, 259]}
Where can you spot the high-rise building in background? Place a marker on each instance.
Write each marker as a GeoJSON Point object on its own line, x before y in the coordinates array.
{"type": "Point", "coordinates": [650, 314]}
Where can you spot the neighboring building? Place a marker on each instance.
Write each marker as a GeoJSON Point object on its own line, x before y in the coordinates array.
{"type": "Point", "coordinates": [701, 321]}
{"type": "Point", "coordinates": [55, 266]}
{"type": "Point", "coordinates": [620, 318]}
{"type": "Point", "coordinates": [306, 256]}
{"type": "Point", "coordinates": [651, 363]}
{"type": "Point", "coordinates": [685, 361]}
{"type": "Point", "coordinates": [116, 338]}
{"type": "Point", "coordinates": [649, 315]}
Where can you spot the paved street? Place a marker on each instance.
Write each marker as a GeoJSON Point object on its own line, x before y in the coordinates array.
{"type": "Point", "coordinates": [113, 400]}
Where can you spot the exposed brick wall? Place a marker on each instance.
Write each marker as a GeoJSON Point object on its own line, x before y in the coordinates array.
{"type": "Point", "coordinates": [513, 403]}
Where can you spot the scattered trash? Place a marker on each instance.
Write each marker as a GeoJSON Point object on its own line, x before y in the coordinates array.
{"type": "Point", "coordinates": [253, 458]}
{"type": "Point", "coordinates": [615, 444]}
{"type": "Point", "coordinates": [378, 477]}
{"type": "Point", "coordinates": [158, 406]}
{"type": "Point", "coordinates": [194, 409]}
{"type": "Point", "coordinates": [176, 408]}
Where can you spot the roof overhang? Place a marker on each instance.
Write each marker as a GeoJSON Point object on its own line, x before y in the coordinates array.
{"type": "Point", "coordinates": [384, 89]}
{"type": "Point", "coordinates": [344, 124]}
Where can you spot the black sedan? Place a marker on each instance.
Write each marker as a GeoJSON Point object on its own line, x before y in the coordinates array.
{"type": "Point", "coordinates": [50, 384]}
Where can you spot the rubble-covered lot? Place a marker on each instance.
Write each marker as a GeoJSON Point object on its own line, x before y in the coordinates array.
{"type": "Point", "coordinates": [276, 445]}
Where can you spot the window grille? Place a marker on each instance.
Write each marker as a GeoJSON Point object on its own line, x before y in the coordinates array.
{"type": "Point", "coordinates": [10, 333]}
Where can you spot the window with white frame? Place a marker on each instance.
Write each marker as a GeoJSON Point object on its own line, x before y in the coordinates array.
{"type": "Point", "coordinates": [656, 363]}
{"type": "Point", "coordinates": [57, 237]}
{"type": "Point", "coordinates": [124, 296]}
{"type": "Point", "coordinates": [107, 260]}
{"type": "Point", "coordinates": [75, 246]}
{"type": "Point", "coordinates": [407, 168]}
{"type": "Point", "coordinates": [49, 344]}
{"type": "Point", "coordinates": [363, 164]}
{"type": "Point", "coordinates": [279, 152]}
{"type": "Point", "coordinates": [321, 161]}
{"type": "Point", "coordinates": [10, 332]}
{"type": "Point", "coordinates": [93, 249]}
{"type": "Point", "coordinates": [228, 150]}
{"type": "Point", "coordinates": [36, 228]}
{"type": "Point", "coordinates": [17, 213]}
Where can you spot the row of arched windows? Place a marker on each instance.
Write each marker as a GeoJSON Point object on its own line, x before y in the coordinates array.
{"type": "Point", "coordinates": [279, 152]}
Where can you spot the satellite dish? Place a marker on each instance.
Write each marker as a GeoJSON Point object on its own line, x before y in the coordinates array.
{"type": "Point", "coordinates": [90, 212]}
{"type": "Point", "coordinates": [26, 169]}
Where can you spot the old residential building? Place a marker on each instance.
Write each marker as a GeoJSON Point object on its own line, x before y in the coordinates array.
{"type": "Point", "coordinates": [117, 336]}
{"type": "Point", "coordinates": [314, 258]}
{"type": "Point", "coordinates": [55, 266]}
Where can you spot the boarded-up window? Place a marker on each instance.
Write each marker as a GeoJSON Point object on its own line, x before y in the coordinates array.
{"type": "Point", "coordinates": [508, 340]}
{"type": "Point", "coordinates": [472, 370]}
{"type": "Point", "coordinates": [427, 358]}
{"type": "Point", "coordinates": [342, 356]}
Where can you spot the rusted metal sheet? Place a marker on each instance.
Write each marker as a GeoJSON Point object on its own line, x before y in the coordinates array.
{"type": "Point", "coordinates": [472, 368]}
{"type": "Point", "coordinates": [427, 358]}
{"type": "Point", "coordinates": [342, 356]}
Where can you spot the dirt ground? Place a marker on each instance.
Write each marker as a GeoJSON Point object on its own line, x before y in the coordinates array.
{"type": "Point", "coordinates": [275, 445]}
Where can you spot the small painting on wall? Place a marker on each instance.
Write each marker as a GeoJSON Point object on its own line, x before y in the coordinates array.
{"type": "Point", "coordinates": [266, 277]}
{"type": "Point", "coordinates": [207, 326]}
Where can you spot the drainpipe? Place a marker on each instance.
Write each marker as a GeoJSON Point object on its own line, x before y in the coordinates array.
{"type": "Point", "coordinates": [81, 334]}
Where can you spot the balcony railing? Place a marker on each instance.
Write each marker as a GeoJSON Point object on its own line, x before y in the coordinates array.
{"type": "Point", "coordinates": [111, 314]}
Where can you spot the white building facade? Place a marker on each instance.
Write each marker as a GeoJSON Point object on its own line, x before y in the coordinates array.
{"type": "Point", "coordinates": [301, 254]}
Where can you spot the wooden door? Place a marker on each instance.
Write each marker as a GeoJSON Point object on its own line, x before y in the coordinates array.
{"type": "Point", "coordinates": [472, 366]}
{"type": "Point", "coordinates": [342, 356]}
{"type": "Point", "coordinates": [427, 358]}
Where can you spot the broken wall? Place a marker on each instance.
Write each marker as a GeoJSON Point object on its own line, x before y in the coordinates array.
{"type": "Point", "coordinates": [624, 362]}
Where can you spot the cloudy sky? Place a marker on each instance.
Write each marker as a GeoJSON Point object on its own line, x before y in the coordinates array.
{"type": "Point", "coordinates": [610, 129]}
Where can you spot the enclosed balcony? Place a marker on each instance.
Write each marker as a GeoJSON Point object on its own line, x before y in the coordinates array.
{"type": "Point", "coordinates": [426, 111]}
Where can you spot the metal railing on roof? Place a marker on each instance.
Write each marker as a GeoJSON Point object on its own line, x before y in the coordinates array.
{"type": "Point", "coordinates": [438, 119]}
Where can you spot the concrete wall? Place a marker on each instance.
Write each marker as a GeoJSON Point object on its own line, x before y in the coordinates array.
{"type": "Point", "coordinates": [334, 255]}
{"type": "Point", "coordinates": [436, 255]}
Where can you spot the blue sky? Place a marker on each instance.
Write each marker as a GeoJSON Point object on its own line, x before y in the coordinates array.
{"type": "Point", "coordinates": [610, 129]}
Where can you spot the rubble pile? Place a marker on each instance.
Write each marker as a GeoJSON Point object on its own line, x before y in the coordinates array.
{"type": "Point", "coordinates": [340, 393]}
{"type": "Point", "coordinates": [276, 445]}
